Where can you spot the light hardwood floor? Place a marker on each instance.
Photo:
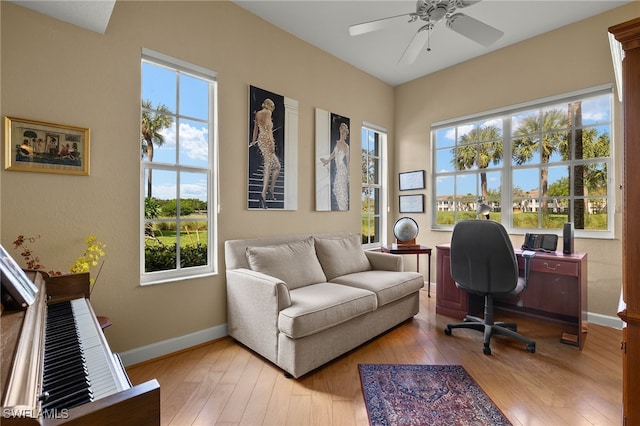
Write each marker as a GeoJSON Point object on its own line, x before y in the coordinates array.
{"type": "Point", "coordinates": [223, 383]}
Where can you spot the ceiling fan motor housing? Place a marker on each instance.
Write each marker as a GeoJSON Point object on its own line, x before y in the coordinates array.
{"type": "Point", "coordinates": [434, 10]}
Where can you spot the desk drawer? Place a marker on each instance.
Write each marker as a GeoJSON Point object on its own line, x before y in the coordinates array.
{"type": "Point", "coordinates": [553, 266]}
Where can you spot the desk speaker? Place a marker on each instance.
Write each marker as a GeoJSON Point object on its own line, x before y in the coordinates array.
{"type": "Point", "coordinates": [567, 238]}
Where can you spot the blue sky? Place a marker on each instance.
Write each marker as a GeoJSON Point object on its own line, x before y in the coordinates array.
{"type": "Point", "coordinates": [159, 86]}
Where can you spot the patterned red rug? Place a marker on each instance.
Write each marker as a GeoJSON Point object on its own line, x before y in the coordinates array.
{"type": "Point", "coordinates": [398, 394]}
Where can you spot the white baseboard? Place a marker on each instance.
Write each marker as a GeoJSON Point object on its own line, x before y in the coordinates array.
{"type": "Point", "coordinates": [605, 320]}
{"type": "Point", "coordinates": [158, 349]}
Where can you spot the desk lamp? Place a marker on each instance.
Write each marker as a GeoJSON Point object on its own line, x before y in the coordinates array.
{"type": "Point", "coordinates": [483, 209]}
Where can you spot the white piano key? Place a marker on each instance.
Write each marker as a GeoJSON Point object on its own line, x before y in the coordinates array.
{"type": "Point", "coordinates": [104, 374]}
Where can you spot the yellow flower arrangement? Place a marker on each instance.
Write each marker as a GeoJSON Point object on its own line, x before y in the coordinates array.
{"type": "Point", "coordinates": [90, 257]}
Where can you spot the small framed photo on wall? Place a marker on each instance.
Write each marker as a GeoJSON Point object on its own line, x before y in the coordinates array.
{"type": "Point", "coordinates": [412, 203]}
{"type": "Point", "coordinates": [38, 146]}
{"type": "Point", "coordinates": [411, 180]}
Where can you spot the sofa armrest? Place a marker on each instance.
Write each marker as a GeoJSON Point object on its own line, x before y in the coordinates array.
{"type": "Point", "coordinates": [254, 301]}
{"type": "Point", "coordinates": [385, 261]}
{"type": "Point", "coordinates": [256, 286]}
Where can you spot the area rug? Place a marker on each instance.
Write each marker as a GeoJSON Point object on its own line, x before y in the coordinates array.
{"type": "Point", "coordinates": [397, 394]}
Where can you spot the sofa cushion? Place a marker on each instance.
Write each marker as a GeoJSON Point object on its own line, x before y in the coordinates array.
{"type": "Point", "coordinates": [320, 306]}
{"type": "Point", "coordinates": [295, 263]}
{"type": "Point", "coordinates": [341, 256]}
{"type": "Point", "coordinates": [387, 285]}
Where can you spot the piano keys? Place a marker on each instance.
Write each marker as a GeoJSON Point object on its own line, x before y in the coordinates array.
{"type": "Point", "coordinates": [62, 369]}
{"type": "Point", "coordinates": [77, 367]}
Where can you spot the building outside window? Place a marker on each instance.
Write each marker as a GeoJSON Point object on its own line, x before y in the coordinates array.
{"type": "Point", "coordinates": [178, 171]}
{"type": "Point", "coordinates": [536, 166]}
{"type": "Point", "coordinates": [374, 191]}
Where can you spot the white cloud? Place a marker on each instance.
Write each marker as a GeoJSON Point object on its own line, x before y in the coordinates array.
{"type": "Point", "coordinates": [194, 142]}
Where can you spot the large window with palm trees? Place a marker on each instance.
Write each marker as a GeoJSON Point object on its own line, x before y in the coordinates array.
{"type": "Point", "coordinates": [530, 167]}
{"type": "Point", "coordinates": [178, 171]}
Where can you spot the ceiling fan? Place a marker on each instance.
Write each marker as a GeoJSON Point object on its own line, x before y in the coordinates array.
{"type": "Point", "coordinates": [432, 12]}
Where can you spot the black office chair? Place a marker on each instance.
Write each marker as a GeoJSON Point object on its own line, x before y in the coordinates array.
{"type": "Point", "coordinates": [483, 262]}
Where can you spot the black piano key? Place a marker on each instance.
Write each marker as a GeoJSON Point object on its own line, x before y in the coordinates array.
{"type": "Point", "coordinates": [65, 381]}
{"type": "Point", "coordinates": [79, 397]}
{"type": "Point", "coordinates": [67, 387]}
{"type": "Point", "coordinates": [61, 363]}
{"type": "Point", "coordinates": [65, 370]}
{"type": "Point", "coordinates": [62, 352]}
{"type": "Point", "coordinates": [65, 377]}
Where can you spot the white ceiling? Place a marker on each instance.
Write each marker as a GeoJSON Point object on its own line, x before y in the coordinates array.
{"type": "Point", "coordinates": [325, 24]}
{"type": "Point", "coordinates": [92, 15]}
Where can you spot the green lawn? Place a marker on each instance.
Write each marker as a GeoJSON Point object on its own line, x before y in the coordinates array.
{"type": "Point", "coordinates": [168, 237]}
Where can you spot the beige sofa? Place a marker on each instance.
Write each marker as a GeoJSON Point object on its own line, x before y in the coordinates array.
{"type": "Point", "coordinates": [300, 301]}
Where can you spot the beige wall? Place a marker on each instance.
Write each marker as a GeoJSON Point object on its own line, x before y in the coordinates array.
{"type": "Point", "coordinates": [56, 72]}
{"type": "Point", "coordinates": [571, 58]}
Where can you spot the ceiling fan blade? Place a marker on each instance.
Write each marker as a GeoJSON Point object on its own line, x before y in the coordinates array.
{"type": "Point", "coordinates": [474, 29]}
{"type": "Point", "coordinates": [378, 24]}
{"type": "Point", "coordinates": [417, 43]}
{"type": "Point", "coordinates": [467, 3]}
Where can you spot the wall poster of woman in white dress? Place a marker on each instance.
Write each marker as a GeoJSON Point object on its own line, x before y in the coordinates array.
{"type": "Point", "coordinates": [332, 161]}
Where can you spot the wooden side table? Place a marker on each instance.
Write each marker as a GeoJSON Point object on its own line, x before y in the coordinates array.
{"type": "Point", "coordinates": [395, 249]}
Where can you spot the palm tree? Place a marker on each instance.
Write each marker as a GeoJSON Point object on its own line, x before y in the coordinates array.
{"type": "Point", "coordinates": [153, 122]}
{"type": "Point", "coordinates": [543, 134]}
{"type": "Point", "coordinates": [527, 141]}
{"type": "Point", "coordinates": [480, 147]}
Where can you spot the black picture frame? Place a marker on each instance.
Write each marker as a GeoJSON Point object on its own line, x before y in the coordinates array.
{"type": "Point", "coordinates": [411, 203]}
{"type": "Point", "coordinates": [411, 180]}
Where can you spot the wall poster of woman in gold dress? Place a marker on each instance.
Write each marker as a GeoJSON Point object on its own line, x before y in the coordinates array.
{"type": "Point", "coordinates": [271, 137]}
{"type": "Point", "coordinates": [332, 161]}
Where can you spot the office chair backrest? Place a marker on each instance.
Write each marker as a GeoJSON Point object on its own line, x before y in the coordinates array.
{"type": "Point", "coordinates": [482, 257]}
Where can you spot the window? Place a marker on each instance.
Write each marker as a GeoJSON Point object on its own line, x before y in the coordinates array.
{"type": "Point", "coordinates": [178, 169]}
{"type": "Point", "coordinates": [374, 176]}
{"type": "Point", "coordinates": [536, 166]}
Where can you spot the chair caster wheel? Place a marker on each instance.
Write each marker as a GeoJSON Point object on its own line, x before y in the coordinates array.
{"type": "Point", "coordinates": [531, 348]}
{"type": "Point", "coordinates": [486, 350]}
{"type": "Point", "coordinates": [447, 331]}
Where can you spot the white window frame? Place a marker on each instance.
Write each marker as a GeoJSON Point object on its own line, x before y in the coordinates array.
{"type": "Point", "coordinates": [507, 168]}
{"type": "Point", "coordinates": [211, 268]}
{"type": "Point", "coordinates": [382, 185]}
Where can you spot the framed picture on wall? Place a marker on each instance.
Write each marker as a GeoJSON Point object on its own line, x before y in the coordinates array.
{"type": "Point", "coordinates": [38, 146]}
{"type": "Point", "coordinates": [272, 151]}
{"type": "Point", "coordinates": [332, 161]}
{"type": "Point", "coordinates": [411, 180]}
{"type": "Point", "coordinates": [412, 203]}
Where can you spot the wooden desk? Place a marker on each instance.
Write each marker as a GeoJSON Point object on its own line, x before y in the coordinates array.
{"type": "Point", "coordinates": [556, 293]}
{"type": "Point", "coordinates": [394, 249]}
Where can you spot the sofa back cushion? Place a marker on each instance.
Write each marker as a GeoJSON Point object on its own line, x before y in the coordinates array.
{"type": "Point", "coordinates": [294, 263]}
{"type": "Point", "coordinates": [341, 256]}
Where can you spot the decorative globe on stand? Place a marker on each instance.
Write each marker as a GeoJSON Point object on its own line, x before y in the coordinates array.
{"type": "Point", "coordinates": [406, 230]}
